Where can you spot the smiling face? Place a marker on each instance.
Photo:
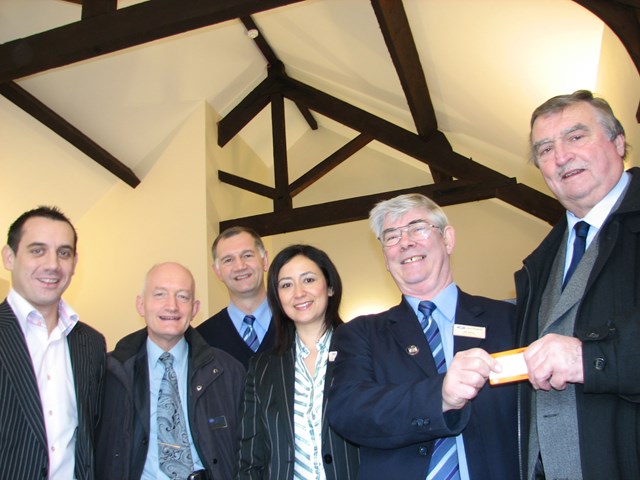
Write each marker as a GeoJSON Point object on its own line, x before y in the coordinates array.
{"type": "Point", "coordinates": [578, 161]}
{"type": "Point", "coordinates": [303, 292]}
{"type": "Point", "coordinates": [43, 264]}
{"type": "Point", "coordinates": [168, 303]}
{"type": "Point", "coordinates": [419, 267]}
{"type": "Point", "coordinates": [240, 266]}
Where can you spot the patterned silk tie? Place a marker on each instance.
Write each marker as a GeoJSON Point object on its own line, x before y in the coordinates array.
{"type": "Point", "coordinates": [174, 451]}
{"type": "Point", "coordinates": [579, 246]}
{"type": "Point", "coordinates": [444, 460]}
{"type": "Point", "coordinates": [249, 335]}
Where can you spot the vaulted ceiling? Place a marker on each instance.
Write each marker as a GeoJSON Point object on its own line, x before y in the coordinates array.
{"type": "Point", "coordinates": [379, 69]}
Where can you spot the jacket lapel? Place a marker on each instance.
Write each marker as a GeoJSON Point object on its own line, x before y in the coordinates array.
{"type": "Point", "coordinates": [468, 314]}
{"type": "Point", "coordinates": [405, 328]}
{"type": "Point", "coordinates": [283, 383]}
{"type": "Point", "coordinates": [16, 364]}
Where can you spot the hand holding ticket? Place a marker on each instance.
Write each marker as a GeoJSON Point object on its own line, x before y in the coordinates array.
{"type": "Point", "coordinates": [514, 368]}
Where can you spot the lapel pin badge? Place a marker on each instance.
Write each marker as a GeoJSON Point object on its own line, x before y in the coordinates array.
{"type": "Point", "coordinates": [413, 350]}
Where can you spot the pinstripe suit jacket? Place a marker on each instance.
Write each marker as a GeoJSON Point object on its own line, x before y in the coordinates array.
{"type": "Point", "coordinates": [266, 431]}
{"type": "Point", "coordinates": [23, 440]}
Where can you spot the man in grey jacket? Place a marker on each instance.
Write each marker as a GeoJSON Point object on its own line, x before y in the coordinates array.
{"type": "Point", "coordinates": [578, 297]}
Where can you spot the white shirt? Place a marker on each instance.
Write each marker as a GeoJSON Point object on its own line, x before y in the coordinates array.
{"type": "Point", "coordinates": [52, 367]}
{"type": "Point", "coordinates": [307, 410]}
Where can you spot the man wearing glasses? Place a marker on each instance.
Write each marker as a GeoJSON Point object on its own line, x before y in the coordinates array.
{"type": "Point", "coordinates": [410, 384]}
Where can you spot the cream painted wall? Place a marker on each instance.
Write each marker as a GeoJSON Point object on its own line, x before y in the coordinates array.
{"type": "Point", "coordinates": [129, 230]}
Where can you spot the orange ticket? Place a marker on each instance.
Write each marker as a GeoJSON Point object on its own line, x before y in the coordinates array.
{"type": "Point", "coordinates": [514, 368]}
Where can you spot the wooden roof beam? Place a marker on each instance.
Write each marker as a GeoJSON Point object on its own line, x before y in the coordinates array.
{"type": "Point", "coordinates": [38, 110]}
{"type": "Point", "coordinates": [117, 30]}
{"type": "Point", "coordinates": [435, 152]}
{"type": "Point", "coordinates": [353, 209]}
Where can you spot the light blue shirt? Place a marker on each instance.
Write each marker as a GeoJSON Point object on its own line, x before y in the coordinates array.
{"type": "Point", "coordinates": [445, 316]}
{"type": "Point", "coordinates": [595, 218]}
{"type": "Point", "coordinates": [261, 325]}
{"type": "Point", "coordinates": [180, 353]}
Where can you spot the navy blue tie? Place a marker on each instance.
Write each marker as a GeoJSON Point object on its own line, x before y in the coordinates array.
{"type": "Point", "coordinates": [444, 460]}
{"type": "Point", "coordinates": [579, 246]}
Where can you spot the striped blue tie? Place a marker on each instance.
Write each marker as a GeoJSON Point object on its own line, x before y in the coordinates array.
{"type": "Point", "coordinates": [250, 336]}
{"type": "Point", "coordinates": [444, 460]}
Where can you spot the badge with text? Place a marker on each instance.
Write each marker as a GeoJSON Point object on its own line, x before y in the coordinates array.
{"type": "Point", "coordinates": [514, 368]}
{"type": "Point", "coordinates": [470, 331]}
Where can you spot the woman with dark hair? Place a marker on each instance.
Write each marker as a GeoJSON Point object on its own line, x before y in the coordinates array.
{"type": "Point", "coordinates": [284, 433]}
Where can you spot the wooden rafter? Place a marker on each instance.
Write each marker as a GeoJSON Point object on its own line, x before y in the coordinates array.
{"type": "Point", "coordinates": [104, 29]}
{"type": "Point", "coordinates": [124, 28]}
{"type": "Point", "coordinates": [34, 107]}
{"type": "Point", "coordinates": [354, 209]}
{"type": "Point", "coordinates": [396, 31]}
{"type": "Point", "coordinates": [436, 151]}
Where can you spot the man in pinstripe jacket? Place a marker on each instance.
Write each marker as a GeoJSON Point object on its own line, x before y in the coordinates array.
{"type": "Point", "coordinates": [51, 365]}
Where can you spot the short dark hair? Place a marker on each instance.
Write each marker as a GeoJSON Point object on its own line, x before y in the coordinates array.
{"type": "Point", "coordinates": [284, 325]}
{"type": "Point", "coordinates": [53, 213]}
{"type": "Point", "coordinates": [604, 112]}
{"type": "Point", "coordinates": [232, 232]}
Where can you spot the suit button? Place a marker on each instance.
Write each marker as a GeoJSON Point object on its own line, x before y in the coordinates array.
{"type": "Point", "coordinates": [145, 441]}
{"type": "Point", "coordinates": [328, 458]}
{"type": "Point", "coordinates": [599, 363]}
{"type": "Point", "coordinates": [422, 451]}
{"type": "Point", "coordinates": [44, 473]}
{"type": "Point", "coordinates": [420, 422]}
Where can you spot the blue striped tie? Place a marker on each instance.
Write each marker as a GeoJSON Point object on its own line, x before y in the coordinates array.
{"type": "Point", "coordinates": [444, 459]}
{"type": "Point", "coordinates": [250, 336]}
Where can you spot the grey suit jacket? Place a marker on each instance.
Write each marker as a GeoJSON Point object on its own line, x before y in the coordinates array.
{"type": "Point", "coordinates": [23, 441]}
{"type": "Point", "coordinates": [267, 434]}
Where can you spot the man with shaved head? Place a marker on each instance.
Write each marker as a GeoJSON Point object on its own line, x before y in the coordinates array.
{"type": "Point", "coordinates": [171, 400]}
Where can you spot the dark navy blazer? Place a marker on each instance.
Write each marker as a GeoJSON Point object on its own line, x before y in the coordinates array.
{"type": "Point", "coordinates": [386, 394]}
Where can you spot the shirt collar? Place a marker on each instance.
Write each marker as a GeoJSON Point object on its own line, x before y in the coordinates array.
{"type": "Point", "coordinates": [262, 314]}
{"type": "Point", "coordinates": [179, 351]}
{"type": "Point", "coordinates": [599, 213]}
{"type": "Point", "coordinates": [446, 302]}
{"type": "Point", "coordinates": [322, 345]}
{"type": "Point", "coordinates": [67, 317]}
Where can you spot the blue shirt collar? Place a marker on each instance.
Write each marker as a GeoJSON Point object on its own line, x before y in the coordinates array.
{"type": "Point", "coordinates": [262, 314]}
{"type": "Point", "coordinates": [446, 302]}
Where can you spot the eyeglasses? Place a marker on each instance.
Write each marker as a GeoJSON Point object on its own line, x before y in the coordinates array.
{"type": "Point", "coordinates": [416, 230]}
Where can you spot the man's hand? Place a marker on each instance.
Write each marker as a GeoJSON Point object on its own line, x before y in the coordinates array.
{"type": "Point", "coordinates": [466, 375]}
{"type": "Point", "coordinates": [553, 361]}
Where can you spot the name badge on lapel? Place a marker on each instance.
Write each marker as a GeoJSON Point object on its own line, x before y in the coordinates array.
{"type": "Point", "coordinates": [218, 422]}
{"type": "Point", "coordinates": [470, 331]}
